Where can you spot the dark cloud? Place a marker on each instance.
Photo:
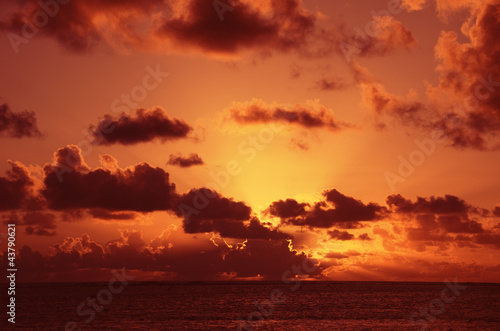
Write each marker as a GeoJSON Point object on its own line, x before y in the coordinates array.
{"type": "Point", "coordinates": [192, 159]}
{"type": "Point", "coordinates": [165, 256]}
{"type": "Point", "coordinates": [310, 115]}
{"type": "Point", "coordinates": [112, 193]}
{"type": "Point", "coordinates": [344, 235]}
{"type": "Point", "coordinates": [204, 210]}
{"type": "Point", "coordinates": [340, 235]}
{"type": "Point", "coordinates": [287, 208]}
{"type": "Point", "coordinates": [440, 221]}
{"type": "Point", "coordinates": [496, 211]}
{"type": "Point", "coordinates": [18, 125]}
{"type": "Point", "coordinates": [15, 187]}
{"type": "Point", "coordinates": [448, 204]}
{"type": "Point", "coordinates": [142, 188]}
{"type": "Point", "coordinates": [364, 236]}
{"type": "Point", "coordinates": [82, 26]}
{"type": "Point", "coordinates": [39, 223]}
{"type": "Point", "coordinates": [350, 209]}
{"type": "Point", "coordinates": [457, 224]}
{"type": "Point", "coordinates": [142, 126]}
{"type": "Point", "coordinates": [337, 210]}
{"type": "Point", "coordinates": [282, 25]}
{"type": "Point", "coordinates": [105, 214]}
{"type": "Point", "coordinates": [489, 238]}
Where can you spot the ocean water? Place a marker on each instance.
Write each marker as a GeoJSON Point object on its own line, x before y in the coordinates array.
{"type": "Point", "coordinates": [220, 306]}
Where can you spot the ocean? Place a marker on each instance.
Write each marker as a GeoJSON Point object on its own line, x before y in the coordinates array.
{"type": "Point", "coordinates": [257, 306]}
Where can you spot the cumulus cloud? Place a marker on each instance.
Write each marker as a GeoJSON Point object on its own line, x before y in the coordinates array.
{"type": "Point", "coordinates": [311, 115]}
{"type": "Point", "coordinates": [336, 210]}
{"type": "Point", "coordinates": [205, 210]}
{"type": "Point", "coordinates": [113, 193]}
{"type": "Point", "coordinates": [202, 25]}
{"type": "Point", "coordinates": [282, 25]}
{"type": "Point", "coordinates": [469, 82]}
{"type": "Point", "coordinates": [18, 125]}
{"type": "Point", "coordinates": [443, 221]}
{"type": "Point", "coordinates": [448, 204]}
{"type": "Point", "coordinates": [170, 261]}
{"type": "Point", "coordinates": [192, 159]}
{"type": "Point", "coordinates": [15, 187]}
{"type": "Point", "coordinates": [425, 222]}
{"type": "Point", "coordinates": [143, 125]}
{"type": "Point", "coordinates": [141, 188]}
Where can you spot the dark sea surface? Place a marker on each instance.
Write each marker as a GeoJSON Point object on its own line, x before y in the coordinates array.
{"type": "Point", "coordinates": [217, 306]}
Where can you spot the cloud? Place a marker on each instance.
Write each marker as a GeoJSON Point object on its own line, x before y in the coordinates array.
{"type": "Point", "coordinates": [70, 186]}
{"type": "Point", "coordinates": [192, 159]}
{"type": "Point", "coordinates": [344, 255]}
{"type": "Point", "coordinates": [340, 235]}
{"type": "Point", "coordinates": [15, 187]}
{"type": "Point", "coordinates": [440, 222]}
{"type": "Point", "coordinates": [456, 224]}
{"type": "Point", "coordinates": [364, 236]}
{"type": "Point", "coordinates": [336, 210]}
{"type": "Point", "coordinates": [105, 214]}
{"type": "Point", "coordinates": [283, 25]}
{"type": "Point", "coordinates": [288, 208]}
{"type": "Point", "coordinates": [204, 210]}
{"type": "Point", "coordinates": [39, 223]}
{"type": "Point", "coordinates": [387, 106]}
{"type": "Point", "coordinates": [311, 115]}
{"type": "Point", "coordinates": [82, 26]}
{"type": "Point", "coordinates": [383, 35]}
{"type": "Point", "coordinates": [335, 255]}
{"type": "Point", "coordinates": [448, 204]}
{"type": "Point", "coordinates": [165, 255]}
{"type": "Point", "coordinates": [443, 7]}
{"type": "Point", "coordinates": [325, 84]}
{"type": "Point", "coordinates": [443, 221]}
{"type": "Point", "coordinates": [469, 84]}
{"type": "Point", "coordinates": [143, 125]}
{"type": "Point", "coordinates": [141, 188]}
{"type": "Point", "coordinates": [18, 125]}
{"type": "Point", "coordinates": [203, 25]}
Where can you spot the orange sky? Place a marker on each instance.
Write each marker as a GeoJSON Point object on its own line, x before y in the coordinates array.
{"type": "Point", "coordinates": [363, 132]}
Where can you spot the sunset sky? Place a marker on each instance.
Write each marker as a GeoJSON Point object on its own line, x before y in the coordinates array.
{"type": "Point", "coordinates": [217, 140]}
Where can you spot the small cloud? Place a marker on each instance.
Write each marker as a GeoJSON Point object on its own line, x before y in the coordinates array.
{"type": "Point", "coordinates": [192, 159]}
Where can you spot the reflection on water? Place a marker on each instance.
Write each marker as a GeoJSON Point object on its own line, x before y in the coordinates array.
{"type": "Point", "coordinates": [217, 306]}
